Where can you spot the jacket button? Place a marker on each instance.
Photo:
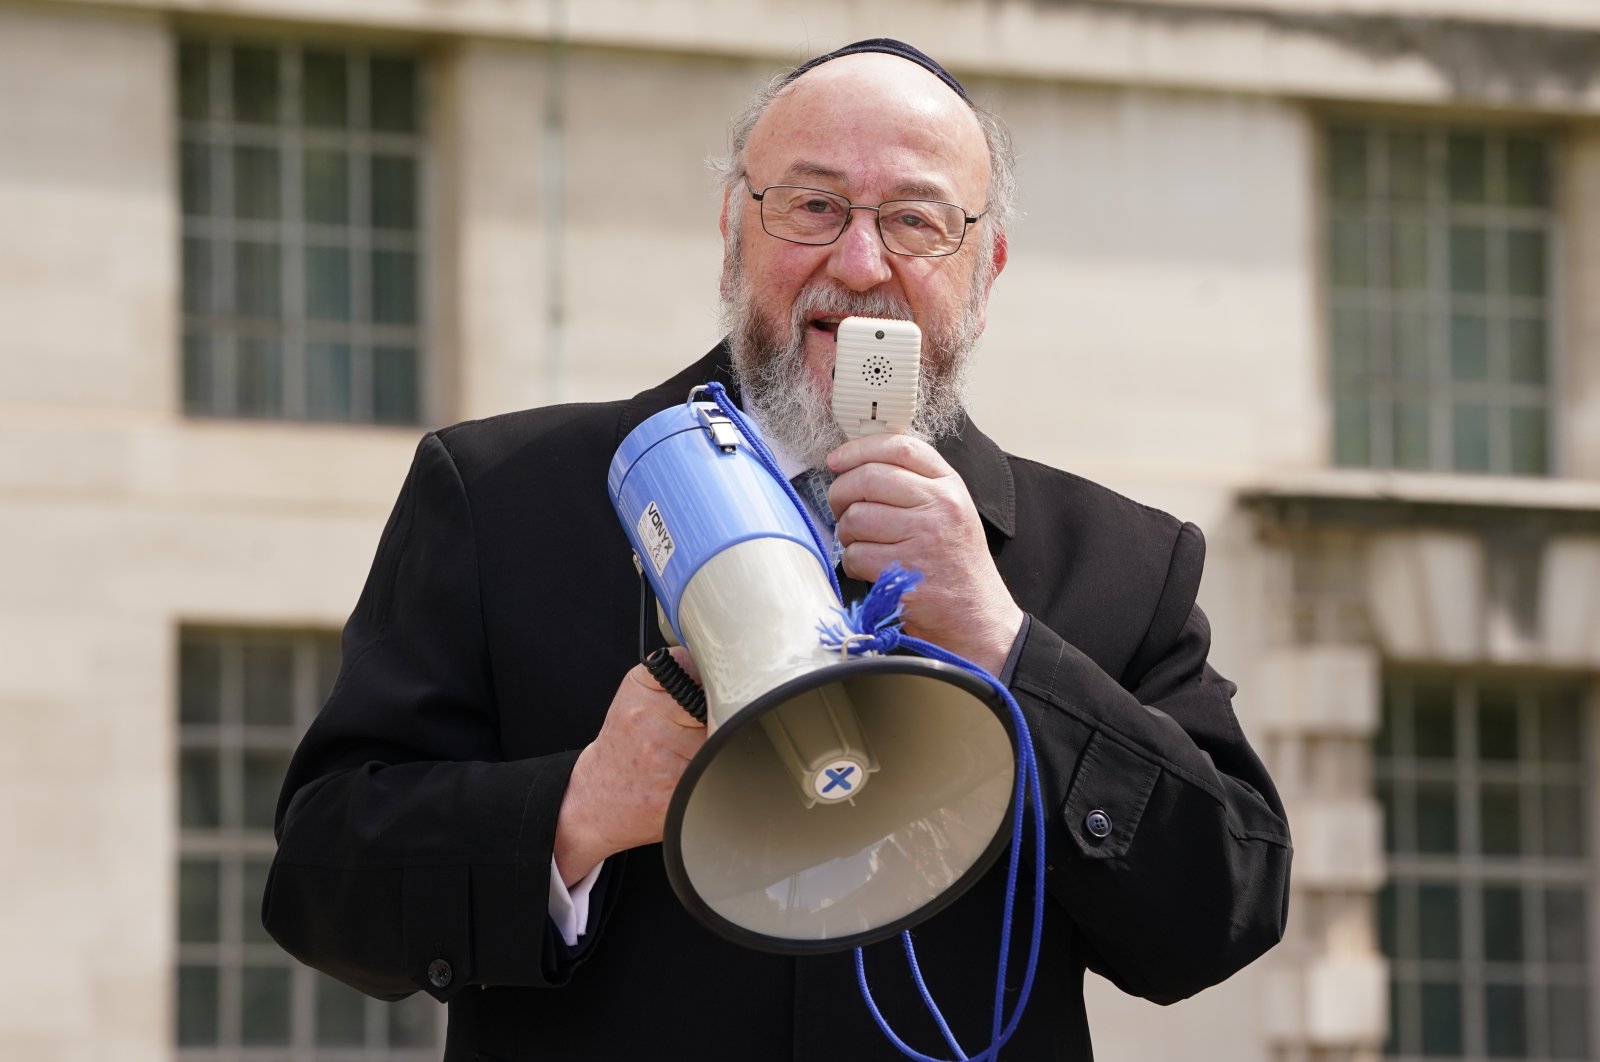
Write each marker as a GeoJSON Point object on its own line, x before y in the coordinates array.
{"type": "Point", "coordinates": [439, 973]}
{"type": "Point", "coordinates": [1098, 823]}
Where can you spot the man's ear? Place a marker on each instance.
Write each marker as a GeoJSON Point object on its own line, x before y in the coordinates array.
{"type": "Point", "coordinates": [722, 219]}
{"type": "Point", "coordinates": [1001, 253]}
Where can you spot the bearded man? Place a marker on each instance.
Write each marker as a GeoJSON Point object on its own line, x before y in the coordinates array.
{"type": "Point", "coordinates": [476, 812]}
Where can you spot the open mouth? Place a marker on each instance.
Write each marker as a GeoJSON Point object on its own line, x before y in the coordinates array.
{"type": "Point", "coordinates": [830, 325]}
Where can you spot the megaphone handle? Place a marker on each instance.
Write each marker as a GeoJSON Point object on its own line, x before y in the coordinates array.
{"type": "Point", "coordinates": [659, 662]}
{"type": "Point", "coordinates": [676, 681]}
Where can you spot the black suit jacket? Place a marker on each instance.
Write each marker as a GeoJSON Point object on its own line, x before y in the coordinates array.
{"type": "Point", "coordinates": [417, 820]}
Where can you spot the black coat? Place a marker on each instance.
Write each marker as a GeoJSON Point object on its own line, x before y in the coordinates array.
{"type": "Point", "coordinates": [416, 824]}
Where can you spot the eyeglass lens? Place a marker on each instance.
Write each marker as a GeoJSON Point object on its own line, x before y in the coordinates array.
{"type": "Point", "coordinates": [909, 226]}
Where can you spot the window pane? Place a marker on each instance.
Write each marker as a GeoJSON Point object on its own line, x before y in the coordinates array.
{"type": "Point", "coordinates": [1527, 171]}
{"type": "Point", "coordinates": [328, 383]}
{"type": "Point", "coordinates": [264, 1006]}
{"type": "Point", "coordinates": [1471, 431]}
{"type": "Point", "coordinates": [394, 95]}
{"type": "Point", "coordinates": [1525, 262]}
{"type": "Point", "coordinates": [1502, 923]}
{"type": "Point", "coordinates": [1347, 240]}
{"type": "Point", "coordinates": [264, 771]}
{"type": "Point", "coordinates": [1387, 930]}
{"type": "Point", "coordinates": [328, 283]}
{"type": "Point", "coordinates": [1439, 918]}
{"type": "Point", "coordinates": [1505, 1020]}
{"type": "Point", "coordinates": [255, 84]}
{"type": "Point", "coordinates": [1408, 262]}
{"type": "Point", "coordinates": [1408, 166]}
{"type": "Point", "coordinates": [199, 901]}
{"type": "Point", "coordinates": [1412, 348]}
{"type": "Point", "coordinates": [1563, 821]}
{"type": "Point", "coordinates": [1560, 725]}
{"type": "Point", "coordinates": [1500, 814]}
{"type": "Point", "coordinates": [1436, 817]}
{"type": "Point", "coordinates": [1497, 723]}
{"type": "Point", "coordinates": [199, 374]}
{"type": "Point", "coordinates": [199, 681]}
{"type": "Point", "coordinates": [394, 287]}
{"type": "Point", "coordinates": [1569, 1022]}
{"type": "Point", "coordinates": [194, 180]}
{"type": "Point", "coordinates": [268, 684]}
{"type": "Point", "coordinates": [1411, 435]}
{"type": "Point", "coordinates": [394, 192]}
{"type": "Point", "coordinates": [255, 183]}
{"type": "Point", "coordinates": [199, 789]}
{"type": "Point", "coordinates": [341, 1014]}
{"type": "Point", "coordinates": [327, 192]}
{"type": "Point", "coordinates": [325, 90]}
{"type": "Point", "coordinates": [1352, 433]}
{"type": "Point", "coordinates": [194, 81]}
{"type": "Point", "coordinates": [1469, 260]}
{"type": "Point", "coordinates": [1469, 347]}
{"type": "Point", "coordinates": [197, 1006]}
{"type": "Point", "coordinates": [257, 280]}
{"type": "Point", "coordinates": [1468, 168]}
{"type": "Point", "coordinates": [259, 375]}
{"type": "Point", "coordinates": [1347, 163]}
{"type": "Point", "coordinates": [1349, 344]}
{"type": "Point", "coordinates": [254, 888]}
{"type": "Point", "coordinates": [198, 292]}
{"type": "Point", "coordinates": [1527, 359]}
{"type": "Point", "coordinates": [1441, 1019]}
{"type": "Point", "coordinates": [1433, 708]}
{"type": "Point", "coordinates": [394, 385]}
{"type": "Point", "coordinates": [1530, 433]}
{"type": "Point", "coordinates": [1566, 925]}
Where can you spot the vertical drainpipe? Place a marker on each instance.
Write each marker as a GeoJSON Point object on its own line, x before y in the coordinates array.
{"type": "Point", "coordinates": [554, 189]}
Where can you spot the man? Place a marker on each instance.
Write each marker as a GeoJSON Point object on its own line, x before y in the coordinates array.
{"type": "Point", "coordinates": [476, 811]}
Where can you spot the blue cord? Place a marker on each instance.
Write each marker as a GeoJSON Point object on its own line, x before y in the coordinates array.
{"type": "Point", "coordinates": [880, 616]}
{"type": "Point", "coordinates": [730, 409]}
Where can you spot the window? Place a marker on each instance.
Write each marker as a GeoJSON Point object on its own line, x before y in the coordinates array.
{"type": "Point", "coordinates": [1440, 274]}
{"type": "Point", "coordinates": [301, 182]}
{"type": "Point", "coordinates": [244, 700]}
{"type": "Point", "coordinates": [1487, 915]}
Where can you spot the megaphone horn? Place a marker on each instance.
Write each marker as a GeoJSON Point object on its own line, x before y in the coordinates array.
{"type": "Point", "coordinates": [837, 800]}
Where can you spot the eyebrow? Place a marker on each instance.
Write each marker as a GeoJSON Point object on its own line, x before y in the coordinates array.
{"type": "Point", "coordinates": [813, 171]}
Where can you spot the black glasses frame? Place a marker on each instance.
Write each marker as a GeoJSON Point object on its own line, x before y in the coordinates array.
{"type": "Point", "coordinates": [968, 220]}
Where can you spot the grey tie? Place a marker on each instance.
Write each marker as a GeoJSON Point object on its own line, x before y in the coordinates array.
{"type": "Point", "coordinates": [812, 484]}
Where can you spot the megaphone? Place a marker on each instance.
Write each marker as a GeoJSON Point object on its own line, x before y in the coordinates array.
{"type": "Point", "coordinates": [837, 800]}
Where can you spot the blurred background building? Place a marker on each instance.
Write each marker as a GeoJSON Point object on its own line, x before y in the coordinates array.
{"type": "Point", "coordinates": [1320, 275]}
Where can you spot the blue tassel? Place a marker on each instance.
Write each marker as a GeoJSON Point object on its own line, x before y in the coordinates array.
{"type": "Point", "coordinates": [873, 623]}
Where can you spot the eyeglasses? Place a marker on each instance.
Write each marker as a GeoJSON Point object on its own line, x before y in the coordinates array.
{"type": "Point", "coordinates": [912, 227]}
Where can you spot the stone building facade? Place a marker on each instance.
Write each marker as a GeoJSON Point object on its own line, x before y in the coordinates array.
{"type": "Point", "coordinates": [1316, 274]}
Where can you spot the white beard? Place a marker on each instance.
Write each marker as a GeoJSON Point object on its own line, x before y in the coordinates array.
{"type": "Point", "coordinates": [797, 416]}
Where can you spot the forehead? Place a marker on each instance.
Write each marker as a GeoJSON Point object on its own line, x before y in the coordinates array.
{"type": "Point", "coordinates": [872, 125]}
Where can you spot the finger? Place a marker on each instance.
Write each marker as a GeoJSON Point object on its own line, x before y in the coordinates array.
{"type": "Point", "coordinates": [881, 482]}
{"type": "Point", "coordinates": [868, 560]}
{"type": "Point", "coordinates": [866, 521]}
{"type": "Point", "coordinates": [903, 450]}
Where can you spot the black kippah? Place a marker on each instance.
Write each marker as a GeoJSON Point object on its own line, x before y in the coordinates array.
{"type": "Point", "coordinates": [888, 46]}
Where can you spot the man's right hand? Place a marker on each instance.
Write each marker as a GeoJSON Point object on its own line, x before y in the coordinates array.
{"type": "Point", "coordinates": [620, 787]}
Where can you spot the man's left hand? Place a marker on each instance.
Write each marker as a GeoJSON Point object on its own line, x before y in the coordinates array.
{"type": "Point", "coordinates": [898, 500]}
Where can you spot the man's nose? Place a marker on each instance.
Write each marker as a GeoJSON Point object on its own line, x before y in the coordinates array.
{"type": "Point", "coordinates": [859, 260]}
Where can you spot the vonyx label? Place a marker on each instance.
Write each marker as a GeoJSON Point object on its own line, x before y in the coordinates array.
{"type": "Point", "coordinates": [656, 538]}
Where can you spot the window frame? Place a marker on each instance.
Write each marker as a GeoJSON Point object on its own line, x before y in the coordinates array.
{"type": "Point", "coordinates": [1381, 392]}
{"type": "Point", "coordinates": [212, 326]}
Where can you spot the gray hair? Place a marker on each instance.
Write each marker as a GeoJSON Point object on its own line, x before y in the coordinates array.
{"type": "Point", "coordinates": [730, 168]}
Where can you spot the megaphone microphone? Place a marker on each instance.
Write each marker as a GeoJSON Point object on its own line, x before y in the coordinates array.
{"type": "Point", "coordinates": [838, 799]}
